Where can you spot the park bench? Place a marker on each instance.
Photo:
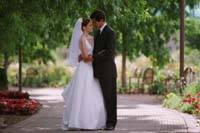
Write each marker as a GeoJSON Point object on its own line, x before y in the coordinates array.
{"type": "Point", "coordinates": [136, 78]}
{"type": "Point", "coordinates": [144, 79]}
{"type": "Point", "coordinates": [147, 80]}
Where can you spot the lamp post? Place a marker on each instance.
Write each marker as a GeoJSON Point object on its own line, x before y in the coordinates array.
{"type": "Point", "coordinates": [182, 9]}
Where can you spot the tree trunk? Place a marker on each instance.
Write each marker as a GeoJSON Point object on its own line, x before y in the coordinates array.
{"type": "Point", "coordinates": [20, 68]}
{"type": "Point", "coordinates": [3, 74]}
{"type": "Point", "coordinates": [6, 68]}
{"type": "Point", "coordinates": [123, 76]}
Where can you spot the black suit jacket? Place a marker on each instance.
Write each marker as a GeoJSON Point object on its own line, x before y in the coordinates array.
{"type": "Point", "coordinates": [104, 54]}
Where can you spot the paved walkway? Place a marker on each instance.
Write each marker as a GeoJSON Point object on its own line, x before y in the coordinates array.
{"type": "Point", "coordinates": [136, 114]}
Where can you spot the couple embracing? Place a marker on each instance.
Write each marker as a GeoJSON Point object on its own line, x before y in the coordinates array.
{"type": "Point", "coordinates": [90, 97]}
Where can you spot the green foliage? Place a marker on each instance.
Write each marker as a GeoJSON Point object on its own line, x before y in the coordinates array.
{"type": "Point", "coordinates": [154, 38]}
{"type": "Point", "coordinates": [158, 87]}
{"type": "Point", "coordinates": [41, 76]}
{"type": "Point", "coordinates": [39, 52]}
{"type": "Point", "coordinates": [192, 89]}
{"type": "Point", "coordinates": [164, 21]}
{"type": "Point", "coordinates": [172, 101]}
{"type": "Point", "coordinates": [192, 57]}
{"type": "Point", "coordinates": [30, 23]}
{"type": "Point", "coordinates": [142, 26]}
{"type": "Point", "coordinates": [188, 102]}
{"type": "Point", "coordinates": [187, 108]}
{"type": "Point", "coordinates": [192, 33]}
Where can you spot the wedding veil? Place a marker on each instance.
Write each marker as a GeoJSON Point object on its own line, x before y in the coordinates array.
{"type": "Point", "coordinates": [74, 50]}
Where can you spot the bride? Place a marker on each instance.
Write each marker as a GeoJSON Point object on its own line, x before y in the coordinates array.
{"type": "Point", "coordinates": [84, 105]}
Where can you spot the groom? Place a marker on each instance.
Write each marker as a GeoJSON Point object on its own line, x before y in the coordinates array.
{"type": "Point", "coordinates": [104, 65]}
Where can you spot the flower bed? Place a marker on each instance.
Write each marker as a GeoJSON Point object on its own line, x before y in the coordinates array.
{"type": "Point", "coordinates": [188, 103]}
{"type": "Point", "coordinates": [14, 102]}
{"type": "Point", "coordinates": [193, 103]}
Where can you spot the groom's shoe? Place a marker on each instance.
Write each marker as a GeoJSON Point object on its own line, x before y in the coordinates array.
{"type": "Point", "coordinates": [109, 127]}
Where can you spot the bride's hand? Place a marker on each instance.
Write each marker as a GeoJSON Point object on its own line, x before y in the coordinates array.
{"type": "Point", "coordinates": [80, 58]}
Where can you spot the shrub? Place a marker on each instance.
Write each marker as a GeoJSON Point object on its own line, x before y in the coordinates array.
{"type": "Point", "coordinates": [42, 76]}
{"type": "Point", "coordinates": [158, 87]}
{"type": "Point", "coordinates": [172, 101]}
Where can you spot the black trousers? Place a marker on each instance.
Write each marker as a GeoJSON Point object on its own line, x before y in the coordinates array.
{"type": "Point", "coordinates": [108, 86]}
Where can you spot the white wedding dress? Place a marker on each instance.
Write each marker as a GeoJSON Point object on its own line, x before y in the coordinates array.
{"type": "Point", "coordinates": [84, 105]}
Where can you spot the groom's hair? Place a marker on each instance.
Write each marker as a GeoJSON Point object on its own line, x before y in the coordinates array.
{"type": "Point", "coordinates": [98, 15]}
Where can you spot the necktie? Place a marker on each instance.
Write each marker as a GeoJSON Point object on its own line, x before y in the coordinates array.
{"type": "Point", "coordinates": [98, 33]}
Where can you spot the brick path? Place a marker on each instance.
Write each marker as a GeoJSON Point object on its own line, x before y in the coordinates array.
{"type": "Point", "coordinates": [136, 114]}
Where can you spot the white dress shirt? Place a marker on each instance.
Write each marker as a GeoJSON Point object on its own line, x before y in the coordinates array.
{"type": "Point", "coordinates": [101, 29]}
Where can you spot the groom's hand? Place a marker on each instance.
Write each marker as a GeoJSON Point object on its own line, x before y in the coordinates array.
{"type": "Point", "coordinates": [88, 59]}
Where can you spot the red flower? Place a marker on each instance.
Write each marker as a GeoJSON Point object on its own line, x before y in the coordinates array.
{"type": "Point", "coordinates": [196, 106]}
{"type": "Point", "coordinates": [188, 95]}
{"type": "Point", "coordinates": [185, 100]}
{"type": "Point", "coordinates": [193, 100]}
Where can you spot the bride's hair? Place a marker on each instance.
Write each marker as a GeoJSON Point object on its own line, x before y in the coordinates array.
{"type": "Point", "coordinates": [85, 22]}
